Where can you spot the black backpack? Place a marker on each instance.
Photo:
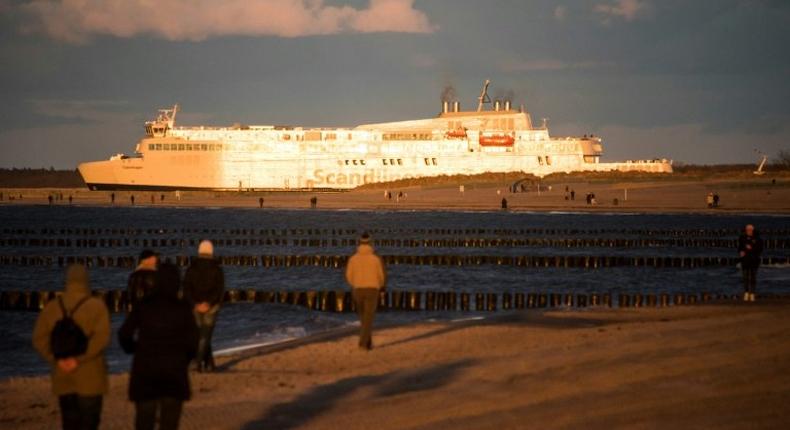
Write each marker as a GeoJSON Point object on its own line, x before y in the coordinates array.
{"type": "Point", "coordinates": [67, 338]}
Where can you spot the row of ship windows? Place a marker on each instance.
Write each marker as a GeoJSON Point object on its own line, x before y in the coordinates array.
{"type": "Point", "coordinates": [188, 147]}
{"type": "Point", "coordinates": [390, 162]}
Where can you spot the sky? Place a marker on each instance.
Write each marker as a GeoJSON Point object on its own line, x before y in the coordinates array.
{"type": "Point", "coordinates": [702, 81]}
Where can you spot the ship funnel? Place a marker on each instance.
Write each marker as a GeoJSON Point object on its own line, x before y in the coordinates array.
{"type": "Point", "coordinates": [507, 104]}
{"type": "Point", "coordinates": [456, 106]}
{"type": "Point", "coordinates": [497, 105]}
{"type": "Point", "coordinates": [445, 106]}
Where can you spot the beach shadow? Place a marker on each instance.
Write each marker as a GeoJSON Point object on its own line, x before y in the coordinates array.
{"type": "Point", "coordinates": [313, 403]}
{"type": "Point", "coordinates": [536, 320]}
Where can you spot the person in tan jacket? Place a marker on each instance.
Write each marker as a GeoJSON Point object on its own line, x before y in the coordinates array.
{"type": "Point", "coordinates": [78, 382]}
{"type": "Point", "coordinates": [366, 275]}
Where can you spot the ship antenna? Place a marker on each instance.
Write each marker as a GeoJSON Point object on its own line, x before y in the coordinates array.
{"type": "Point", "coordinates": [483, 96]}
{"type": "Point", "coordinates": [172, 120]}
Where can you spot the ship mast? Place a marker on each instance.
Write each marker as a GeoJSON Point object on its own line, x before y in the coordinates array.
{"type": "Point", "coordinates": [483, 96]}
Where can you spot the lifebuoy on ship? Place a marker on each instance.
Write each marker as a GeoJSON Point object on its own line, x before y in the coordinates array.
{"type": "Point", "coordinates": [497, 140]}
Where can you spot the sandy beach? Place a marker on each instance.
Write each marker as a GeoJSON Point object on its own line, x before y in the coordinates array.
{"type": "Point", "coordinates": [713, 366]}
{"type": "Point", "coordinates": [754, 195]}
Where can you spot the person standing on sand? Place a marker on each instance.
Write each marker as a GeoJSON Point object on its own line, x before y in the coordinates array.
{"type": "Point", "coordinates": [204, 287]}
{"type": "Point", "coordinates": [750, 247]}
{"type": "Point", "coordinates": [366, 275]}
{"type": "Point", "coordinates": [143, 280]}
{"type": "Point", "coordinates": [709, 200]}
{"type": "Point", "coordinates": [78, 380]}
{"type": "Point", "coordinates": [162, 335]}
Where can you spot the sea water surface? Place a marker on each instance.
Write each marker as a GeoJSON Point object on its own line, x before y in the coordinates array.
{"type": "Point", "coordinates": [244, 324]}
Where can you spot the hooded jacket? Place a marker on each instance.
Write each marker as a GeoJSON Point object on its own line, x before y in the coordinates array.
{"type": "Point", "coordinates": [204, 281]}
{"type": "Point", "coordinates": [162, 334]}
{"type": "Point", "coordinates": [365, 269]}
{"type": "Point", "coordinates": [90, 376]}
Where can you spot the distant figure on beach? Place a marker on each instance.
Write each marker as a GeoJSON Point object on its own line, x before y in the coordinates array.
{"type": "Point", "coordinates": [260, 202]}
{"type": "Point", "coordinates": [71, 333]}
{"type": "Point", "coordinates": [366, 275]}
{"type": "Point", "coordinates": [592, 199]}
{"type": "Point", "coordinates": [178, 195]}
{"type": "Point", "coordinates": [715, 200]}
{"type": "Point", "coordinates": [131, 199]}
{"type": "Point", "coordinates": [750, 248]}
{"type": "Point", "coordinates": [504, 203]}
{"type": "Point", "coordinates": [588, 198]}
{"type": "Point", "coordinates": [50, 199]}
{"type": "Point", "coordinates": [162, 335]}
{"type": "Point", "coordinates": [152, 199]}
{"type": "Point", "coordinates": [573, 195]}
{"type": "Point", "coordinates": [112, 198]}
{"type": "Point", "coordinates": [313, 202]}
{"type": "Point", "coordinates": [162, 197]}
{"type": "Point", "coordinates": [204, 287]}
{"type": "Point", "coordinates": [70, 199]}
{"type": "Point", "coordinates": [709, 200]}
{"type": "Point", "coordinates": [143, 280]}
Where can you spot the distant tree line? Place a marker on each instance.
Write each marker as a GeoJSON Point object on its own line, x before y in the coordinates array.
{"type": "Point", "coordinates": [40, 178]}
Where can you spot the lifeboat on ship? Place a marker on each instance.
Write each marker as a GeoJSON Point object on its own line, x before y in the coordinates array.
{"type": "Point", "coordinates": [497, 140]}
{"type": "Point", "coordinates": [456, 134]}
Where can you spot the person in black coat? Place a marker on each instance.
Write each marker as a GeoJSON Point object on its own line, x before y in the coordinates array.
{"type": "Point", "coordinates": [204, 287]}
{"type": "Point", "coordinates": [142, 281]}
{"type": "Point", "coordinates": [750, 248]}
{"type": "Point", "coordinates": [162, 334]}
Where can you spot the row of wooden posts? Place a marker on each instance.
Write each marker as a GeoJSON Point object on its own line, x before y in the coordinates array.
{"type": "Point", "coordinates": [336, 261]}
{"type": "Point", "coordinates": [341, 301]}
{"type": "Point", "coordinates": [468, 242]}
{"type": "Point", "coordinates": [703, 232]}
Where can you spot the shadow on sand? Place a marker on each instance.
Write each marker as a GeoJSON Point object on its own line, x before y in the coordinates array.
{"type": "Point", "coordinates": [322, 398]}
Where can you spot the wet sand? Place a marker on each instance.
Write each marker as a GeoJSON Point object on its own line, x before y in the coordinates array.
{"type": "Point", "coordinates": [723, 366]}
{"type": "Point", "coordinates": [753, 195]}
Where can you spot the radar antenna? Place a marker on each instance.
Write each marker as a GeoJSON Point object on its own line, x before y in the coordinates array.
{"type": "Point", "coordinates": [483, 96]}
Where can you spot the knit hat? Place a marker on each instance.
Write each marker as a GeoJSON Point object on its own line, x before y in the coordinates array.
{"type": "Point", "coordinates": [77, 274]}
{"type": "Point", "coordinates": [364, 238]}
{"type": "Point", "coordinates": [206, 248]}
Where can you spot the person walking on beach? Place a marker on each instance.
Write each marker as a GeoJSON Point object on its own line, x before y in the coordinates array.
{"type": "Point", "coordinates": [143, 280]}
{"type": "Point", "coordinates": [204, 287]}
{"type": "Point", "coordinates": [709, 200]}
{"type": "Point", "coordinates": [750, 247]}
{"type": "Point", "coordinates": [366, 275]}
{"type": "Point", "coordinates": [162, 335]}
{"type": "Point", "coordinates": [71, 333]}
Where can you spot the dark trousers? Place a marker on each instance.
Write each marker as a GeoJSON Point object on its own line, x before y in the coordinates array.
{"type": "Point", "coordinates": [169, 413]}
{"type": "Point", "coordinates": [205, 323]}
{"type": "Point", "coordinates": [749, 279]}
{"type": "Point", "coordinates": [80, 412]}
{"type": "Point", "coordinates": [366, 300]}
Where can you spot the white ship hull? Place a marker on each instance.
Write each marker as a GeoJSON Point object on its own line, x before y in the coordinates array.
{"type": "Point", "coordinates": [294, 158]}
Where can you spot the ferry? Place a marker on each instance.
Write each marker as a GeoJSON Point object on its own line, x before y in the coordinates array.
{"type": "Point", "coordinates": [495, 137]}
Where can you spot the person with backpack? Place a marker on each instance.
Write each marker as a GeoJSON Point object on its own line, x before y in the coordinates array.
{"type": "Point", "coordinates": [162, 335]}
{"type": "Point", "coordinates": [71, 333]}
{"type": "Point", "coordinates": [141, 281]}
{"type": "Point", "coordinates": [204, 288]}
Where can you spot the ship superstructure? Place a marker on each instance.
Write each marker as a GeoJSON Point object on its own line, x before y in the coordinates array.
{"type": "Point", "coordinates": [266, 157]}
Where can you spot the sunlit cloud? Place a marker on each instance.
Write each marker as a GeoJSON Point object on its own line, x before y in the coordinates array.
{"type": "Point", "coordinates": [547, 65]}
{"type": "Point", "coordinates": [76, 21]}
{"type": "Point", "coordinates": [560, 12]}
{"type": "Point", "coordinates": [627, 10]}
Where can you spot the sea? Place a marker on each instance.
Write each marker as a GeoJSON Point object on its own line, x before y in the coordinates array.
{"type": "Point", "coordinates": [310, 232]}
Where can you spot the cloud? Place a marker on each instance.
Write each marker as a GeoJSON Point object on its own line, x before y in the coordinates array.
{"type": "Point", "coordinates": [627, 10]}
{"type": "Point", "coordinates": [75, 21]}
{"type": "Point", "coordinates": [560, 12]}
{"type": "Point", "coordinates": [547, 65]}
